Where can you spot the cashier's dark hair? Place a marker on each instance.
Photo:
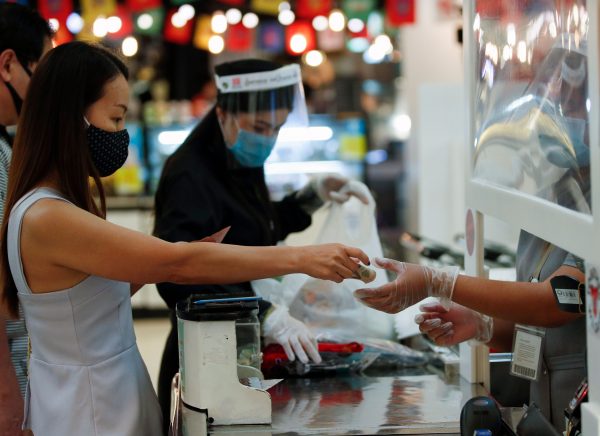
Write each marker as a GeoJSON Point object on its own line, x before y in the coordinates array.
{"type": "Point", "coordinates": [279, 98]}
{"type": "Point", "coordinates": [52, 138]}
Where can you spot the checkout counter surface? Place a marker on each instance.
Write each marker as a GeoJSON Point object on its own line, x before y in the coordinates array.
{"type": "Point", "coordinates": [354, 405]}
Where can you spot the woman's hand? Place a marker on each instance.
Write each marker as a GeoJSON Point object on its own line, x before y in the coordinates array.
{"type": "Point", "coordinates": [334, 262]}
{"type": "Point", "coordinates": [413, 283]}
{"type": "Point", "coordinates": [453, 326]}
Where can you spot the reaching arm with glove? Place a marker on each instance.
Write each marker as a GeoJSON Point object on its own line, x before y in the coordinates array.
{"type": "Point", "coordinates": [517, 302]}
{"type": "Point", "coordinates": [294, 336]}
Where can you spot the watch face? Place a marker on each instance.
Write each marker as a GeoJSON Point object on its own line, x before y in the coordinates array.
{"type": "Point", "coordinates": [568, 293]}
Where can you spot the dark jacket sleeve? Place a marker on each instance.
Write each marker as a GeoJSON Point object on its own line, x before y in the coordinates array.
{"type": "Point", "coordinates": [186, 211]}
{"type": "Point", "coordinates": [292, 217]}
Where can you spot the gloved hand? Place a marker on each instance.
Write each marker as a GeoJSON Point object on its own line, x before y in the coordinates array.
{"type": "Point", "coordinates": [339, 189]}
{"type": "Point", "coordinates": [458, 324]}
{"type": "Point", "coordinates": [412, 284]}
{"type": "Point", "coordinates": [295, 338]}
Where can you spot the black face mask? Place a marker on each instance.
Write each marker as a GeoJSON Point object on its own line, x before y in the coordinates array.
{"type": "Point", "coordinates": [16, 98]}
{"type": "Point", "coordinates": [109, 150]}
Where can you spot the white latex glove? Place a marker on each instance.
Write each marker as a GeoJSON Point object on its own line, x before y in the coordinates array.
{"type": "Point", "coordinates": [339, 189]}
{"type": "Point", "coordinates": [458, 324]}
{"type": "Point", "coordinates": [412, 284]}
{"type": "Point", "coordinates": [295, 338]}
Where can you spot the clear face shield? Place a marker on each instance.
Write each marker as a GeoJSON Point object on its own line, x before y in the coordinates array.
{"type": "Point", "coordinates": [538, 142]}
{"type": "Point", "coordinates": [253, 108]}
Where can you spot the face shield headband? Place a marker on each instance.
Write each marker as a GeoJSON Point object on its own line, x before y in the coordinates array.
{"type": "Point", "coordinates": [265, 91]}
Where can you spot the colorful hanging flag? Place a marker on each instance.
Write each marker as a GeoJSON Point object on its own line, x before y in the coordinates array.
{"type": "Point", "coordinates": [177, 35]}
{"type": "Point", "coordinates": [400, 12]}
{"type": "Point", "coordinates": [233, 2]}
{"type": "Point", "coordinates": [309, 9]}
{"type": "Point", "coordinates": [271, 37]}
{"type": "Point", "coordinates": [299, 38]}
{"type": "Point", "coordinates": [268, 7]}
{"type": "Point", "coordinates": [126, 24]}
{"type": "Point", "coordinates": [358, 8]}
{"type": "Point", "coordinates": [59, 9]}
{"type": "Point", "coordinates": [203, 32]}
{"type": "Point", "coordinates": [92, 9]}
{"type": "Point", "coordinates": [330, 41]}
{"type": "Point", "coordinates": [149, 22]}
{"type": "Point", "coordinates": [142, 5]}
{"type": "Point", "coordinates": [239, 38]}
{"type": "Point", "coordinates": [62, 35]}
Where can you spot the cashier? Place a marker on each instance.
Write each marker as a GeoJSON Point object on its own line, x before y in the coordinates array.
{"type": "Point", "coordinates": [216, 180]}
{"type": "Point", "coordinates": [542, 313]}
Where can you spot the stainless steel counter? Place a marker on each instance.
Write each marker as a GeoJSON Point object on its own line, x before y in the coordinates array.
{"type": "Point", "coordinates": [401, 404]}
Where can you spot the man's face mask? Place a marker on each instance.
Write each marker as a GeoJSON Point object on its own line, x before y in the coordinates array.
{"type": "Point", "coordinates": [16, 98]}
{"type": "Point", "coordinates": [108, 150]}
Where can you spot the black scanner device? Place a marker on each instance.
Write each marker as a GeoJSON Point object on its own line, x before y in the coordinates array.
{"type": "Point", "coordinates": [480, 413]}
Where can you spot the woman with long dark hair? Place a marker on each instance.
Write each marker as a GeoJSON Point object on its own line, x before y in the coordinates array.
{"type": "Point", "coordinates": [73, 272]}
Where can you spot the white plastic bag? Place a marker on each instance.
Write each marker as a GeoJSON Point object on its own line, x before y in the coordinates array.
{"type": "Point", "coordinates": [329, 308]}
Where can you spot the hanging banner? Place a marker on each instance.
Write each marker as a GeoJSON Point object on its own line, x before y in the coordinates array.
{"type": "Point", "coordinates": [126, 24]}
{"type": "Point", "coordinates": [59, 9]}
{"type": "Point", "coordinates": [299, 38]}
{"type": "Point", "coordinates": [239, 38]}
{"type": "Point", "coordinates": [400, 12]}
{"type": "Point", "coordinates": [142, 5]}
{"type": "Point", "coordinates": [268, 7]}
{"type": "Point", "coordinates": [149, 22]}
{"type": "Point", "coordinates": [92, 9]}
{"type": "Point", "coordinates": [358, 8]}
{"type": "Point", "coordinates": [309, 9]}
{"type": "Point", "coordinates": [62, 35]}
{"type": "Point", "coordinates": [203, 32]}
{"type": "Point", "coordinates": [330, 41]}
{"type": "Point", "coordinates": [177, 35]}
{"type": "Point", "coordinates": [233, 2]}
{"type": "Point", "coordinates": [271, 37]}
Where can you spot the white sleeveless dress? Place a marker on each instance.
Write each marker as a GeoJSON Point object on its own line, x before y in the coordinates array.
{"type": "Point", "coordinates": [86, 375]}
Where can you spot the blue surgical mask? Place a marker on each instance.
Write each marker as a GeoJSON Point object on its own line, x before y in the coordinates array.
{"type": "Point", "coordinates": [251, 149]}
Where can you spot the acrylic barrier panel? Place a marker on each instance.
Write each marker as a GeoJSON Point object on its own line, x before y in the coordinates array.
{"type": "Point", "coordinates": [531, 100]}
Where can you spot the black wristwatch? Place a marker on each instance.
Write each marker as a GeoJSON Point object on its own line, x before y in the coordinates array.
{"type": "Point", "coordinates": [569, 293]}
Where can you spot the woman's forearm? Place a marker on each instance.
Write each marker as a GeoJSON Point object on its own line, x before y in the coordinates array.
{"type": "Point", "coordinates": [502, 336]}
{"type": "Point", "coordinates": [221, 263]}
{"type": "Point", "coordinates": [519, 302]}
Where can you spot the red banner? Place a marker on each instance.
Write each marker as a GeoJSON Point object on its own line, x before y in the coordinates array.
{"type": "Point", "coordinates": [142, 5]}
{"type": "Point", "coordinates": [239, 38]}
{"type": "Point", "coordinates": [126, 23]}
{"type": "Point", "coordinates": [233, 2]}
{"type": "Point", "coordinates": [62, 35]}
{"type": "Point", "coordinates": [311, 8]}
{"type": "Point", "coordinates": [400, 12]}
{"type": "Point", "coordinates": [177, 35]}
{"type": "Point", "coordinates": [299, 38]}
{"type": "Point", "coordinates": [59, 9]}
